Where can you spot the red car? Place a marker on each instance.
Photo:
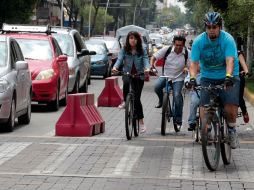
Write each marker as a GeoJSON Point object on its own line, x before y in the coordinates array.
{"type": "Point", "coordinates": [48, 65]}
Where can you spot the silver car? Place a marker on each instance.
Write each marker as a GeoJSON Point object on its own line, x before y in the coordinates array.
{"type": "Point", "coordinates": [15, 84]}
{"type": "Point", "coordinates": [78, 58]}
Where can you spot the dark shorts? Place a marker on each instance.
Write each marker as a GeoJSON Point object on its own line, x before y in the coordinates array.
{"type": "Point", "coordinates": [230, 96]}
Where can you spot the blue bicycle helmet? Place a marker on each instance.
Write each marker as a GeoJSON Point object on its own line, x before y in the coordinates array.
{"type": "Point", "coordinates": [213, 18]}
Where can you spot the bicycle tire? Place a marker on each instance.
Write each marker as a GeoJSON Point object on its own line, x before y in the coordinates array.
{"type": "Point", "coordinates": [225, 146]}
{"type": "Point", "coordinates": [211, 141]}
{"type": "Point", "coordinates": [165, 113]}
{"type": "Point", "coordinates": [198, 130]}
{"type": "Point", "coordinates": [129, 112]}
{"type": "Point", "coordinates": [135, 127]}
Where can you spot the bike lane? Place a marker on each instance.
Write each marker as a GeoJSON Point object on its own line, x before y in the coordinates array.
{"type": "Point", "coordinates": [109, 161]}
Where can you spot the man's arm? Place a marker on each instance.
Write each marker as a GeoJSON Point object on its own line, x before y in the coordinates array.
{"type": "Point", "coordinates": [229, 66]}
{"type": "Point", "coordinates": [152, 61]}
{"type": "Point", "coordinates": [193, 69]}
{"type": "Point", "coordinates": [243, 63]}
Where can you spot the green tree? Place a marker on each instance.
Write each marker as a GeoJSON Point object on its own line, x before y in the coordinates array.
{"type": "Point", "coordinates": [16, 11]}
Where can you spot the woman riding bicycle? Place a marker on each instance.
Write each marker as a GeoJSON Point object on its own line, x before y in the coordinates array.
{"type": "Point", "coordinates": [135, 61]}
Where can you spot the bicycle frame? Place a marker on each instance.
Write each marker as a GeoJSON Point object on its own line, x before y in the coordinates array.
{"type": "Point", "coordinates": [214, 132]}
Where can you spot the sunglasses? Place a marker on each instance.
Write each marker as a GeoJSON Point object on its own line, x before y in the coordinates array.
{"type": "Point", "coordinates": [209, 27]}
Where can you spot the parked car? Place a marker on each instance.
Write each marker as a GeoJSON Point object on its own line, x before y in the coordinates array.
{"type": "Point", "coordinates": [100, 63]}
{"type": "Point", "coordinates": [47, 63]}
{"type": "Point", "coordinates": [78, 58]}
{"type": "Point", "coordinates": [15, 84]}
{"type": "Point", "coordinates": [113, 46]}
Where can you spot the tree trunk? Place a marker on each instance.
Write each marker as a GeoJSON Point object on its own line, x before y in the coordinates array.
{"type": "Point", "coordinates": [70, 16]}
{"type": "Point", "coordinates": [250, 48]}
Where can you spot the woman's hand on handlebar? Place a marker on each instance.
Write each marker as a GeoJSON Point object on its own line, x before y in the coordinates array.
{"type": "Point", "coordinates": [114, 71]}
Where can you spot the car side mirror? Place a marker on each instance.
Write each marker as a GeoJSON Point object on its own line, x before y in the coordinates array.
{"type": "Point", "coordinates": [21, 65]}
{"type": "Point", "coordinates": [62, 58]}
{"type": "Point", "coordinates": [83, 52]}
{"type": "Point", "coordinates": [92, 52]}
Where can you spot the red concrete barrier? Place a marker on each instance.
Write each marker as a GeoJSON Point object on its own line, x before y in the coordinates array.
{"type": "Point", "coordinates": [111, 95]}
{"type": "Point", "coordinates": [80, 117]}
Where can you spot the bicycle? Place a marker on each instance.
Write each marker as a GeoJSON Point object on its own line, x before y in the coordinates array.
{"type": "Point", "coordinates": [214, 133]}
{"type": "Point", "coordinates": [197, 131]}
{"type": "Point", "coordinates": [131, 120]}
{"type": "Point", "coordinates": [166, 106]}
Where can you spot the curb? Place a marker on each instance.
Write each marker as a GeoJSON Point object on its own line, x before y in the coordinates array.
{"type": "Point", "coordinates": [249, 96]}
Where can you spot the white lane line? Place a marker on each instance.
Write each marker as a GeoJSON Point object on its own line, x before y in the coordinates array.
{"type": "Point", "coordinates": [10, 150]}
{"type": "Point", "coordinates": [181, 163]}
{"type": "Point", "coordinates": [52, 162]}
{"type": "Point", "coordinates": [128, 160]}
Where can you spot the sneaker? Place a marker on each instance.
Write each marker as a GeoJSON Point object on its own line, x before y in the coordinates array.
{"type": "Point", "coordinates": [233, 139]}
{"type": "Point", "coordinates": [192, 127]}
{"type": "Point", "coordinates": [122, 105]}
{"type": "Point", "coordinates": [142, 128]}
{"type": "Point", "coordinates": [246, 117]}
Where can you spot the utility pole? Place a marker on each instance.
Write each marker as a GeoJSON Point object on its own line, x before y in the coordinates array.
{"type": "Point", "coordinates": [105, 19]}
{"type": "Point", "coordinates": [90, 11]}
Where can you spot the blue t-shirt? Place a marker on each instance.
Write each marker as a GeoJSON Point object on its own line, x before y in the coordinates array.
{"type": "Point", "coordinates": [212, 55]}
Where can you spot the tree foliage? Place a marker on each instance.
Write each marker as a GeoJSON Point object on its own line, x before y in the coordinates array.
{"type": "Point", "coordinates": [16, 11]}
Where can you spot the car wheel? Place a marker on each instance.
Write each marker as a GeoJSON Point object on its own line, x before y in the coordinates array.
{"type": "Point", "coordinates": [106, 73]}
{"type": "Point", "coordinates": [25, 119]}
{"type": "Point", "coordinates": [85, 86]}
{"type": "Point", "coordinates": [63, 102]}
{"type": "Point", "coordinates": [76, 86]}
{"type": "Point", "coordinates": [11, 121]}
{"type": "Point", "coordinates": [54, 105]}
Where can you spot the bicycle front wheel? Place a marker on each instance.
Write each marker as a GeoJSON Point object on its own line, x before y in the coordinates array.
{"type": "Point", "coordinates": [198, 130]}
{"type": "Point", "coordinates": [225, 146]}
{"type": "Point", "coordinates": [129, 113]}
{"type": "Point", "coordinates": [165, 113]}
{"type": "Point", "coordinates": [211, 141]}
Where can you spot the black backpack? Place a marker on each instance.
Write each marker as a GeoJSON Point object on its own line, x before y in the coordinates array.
{"type": "Point", "coordinates": [169, 51]}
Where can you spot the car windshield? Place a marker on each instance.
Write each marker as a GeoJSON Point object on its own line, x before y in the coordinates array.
{"type": "Point", "coordinates": [3, 53]}
{"type": "Point", "coordinates": [65, 42]}
{"type": "Point", "coordinates": [112, 44]}
{"type": "Point", "coordinates": [35, 49]}
{"type": "Point", "coordinates": [98, 48]}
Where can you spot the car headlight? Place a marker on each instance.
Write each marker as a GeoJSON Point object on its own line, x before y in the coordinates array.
{"type": "Point", "coordinates": [99, 62]}
{"type": "Point", "coordinates": [46, 74]}
{"type": "Point", "coordinates": [71, 71]}
{"type": "Point", "coordinates": [3, 85]}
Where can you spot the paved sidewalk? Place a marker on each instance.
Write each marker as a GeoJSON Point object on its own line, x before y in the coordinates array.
{"type": "Point", "coordinates": [109, 161]}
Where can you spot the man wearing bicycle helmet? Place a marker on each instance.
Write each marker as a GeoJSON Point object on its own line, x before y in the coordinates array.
{"type": "Point", "coordinates": [216, 52]}
{"type": "Point", "coordinates": [175, 59]}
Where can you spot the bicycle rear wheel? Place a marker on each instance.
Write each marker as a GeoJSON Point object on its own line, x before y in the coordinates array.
{"type": "Point", "coordinates": [135, 126]}
{"type": "Point", "coordinates": [165, 113]}
{"type": "Point", "coordinates": [129, 112]}
{"type": "Point", "coordinates": [198, 130]}
{"type": "Point", "coordinates": [225, 146]}
{"type": "Point", "coordinates": [211, 141]}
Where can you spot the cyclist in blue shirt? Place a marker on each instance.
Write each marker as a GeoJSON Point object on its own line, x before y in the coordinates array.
{"type": "Point", "coordinates": [216, 52]}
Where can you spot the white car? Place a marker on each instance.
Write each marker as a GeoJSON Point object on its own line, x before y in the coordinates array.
{"type": "Point", "coordinates": [15, 84]}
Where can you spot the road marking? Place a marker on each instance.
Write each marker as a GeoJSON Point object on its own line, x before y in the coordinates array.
{"type": "Point", "coordinates": [245, 180]}
{"type": "Point", "coordinates": [128, 160]}
{"type": "Point", "coordinates": [52, 162]}
{"type": "Point", "coordinates": [179, 166]}
{"type": "Point", "coordinates": [10, 150]}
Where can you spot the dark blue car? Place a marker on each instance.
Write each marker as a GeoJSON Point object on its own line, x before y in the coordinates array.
{"type": "Point", "coordinates": [101, 62]}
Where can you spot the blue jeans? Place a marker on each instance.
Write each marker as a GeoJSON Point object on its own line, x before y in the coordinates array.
{"type": "Point", "coordinates": [177, 97]}
{"type": "Point", "coordinates": [194, 103]}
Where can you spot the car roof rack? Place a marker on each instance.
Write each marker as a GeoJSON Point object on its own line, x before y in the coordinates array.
{"type": "Point", "coordinates": [10, 28]}
{"type": "Point", "coordinates": [61, 28]}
